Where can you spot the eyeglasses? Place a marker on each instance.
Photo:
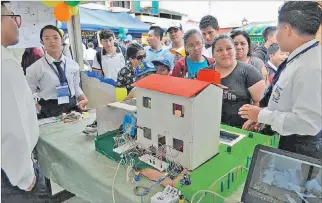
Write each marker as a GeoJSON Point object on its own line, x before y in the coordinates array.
{"type": "Point", "coordinates": [51, 39]}
{"type": "Point", "coordinates": [141, 57]}
{"type": "Point", "coordinates": [16, 18]}
{"type": "Point", "coordinates": [193, 46]}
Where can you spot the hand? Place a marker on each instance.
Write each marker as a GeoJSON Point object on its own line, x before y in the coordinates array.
{"type": "Point", "coordinates": [32, 184]}
{"type": "Point", "coordinates": [249, 112]}
{"type": "Point", "coordinates": [81, 104]}
{"type": "Point", "coordinates": [249, 125]}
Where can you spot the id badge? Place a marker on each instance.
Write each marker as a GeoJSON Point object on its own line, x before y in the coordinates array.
{"type": "Point", "coordinates": [62, 93]}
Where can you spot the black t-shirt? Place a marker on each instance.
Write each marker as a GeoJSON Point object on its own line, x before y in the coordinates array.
{"type": "Point", "coordinates": [237, 94]}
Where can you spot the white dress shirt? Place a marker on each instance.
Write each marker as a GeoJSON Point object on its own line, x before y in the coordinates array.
{"type": "Point", "coordinates": [295, 106]}
{"type": "Point", "coordinates": [19, 125]}
{"type": "Point", "coordinates": [111, 64]}
{"type": "Point", "coordinates": [90, 54]}
{"type": "Point", "coordinates": [207, 52]}
{"type": "Point", "coordinates": [43, 80]}
{"type": "Point", "coordinates": [272, 65]}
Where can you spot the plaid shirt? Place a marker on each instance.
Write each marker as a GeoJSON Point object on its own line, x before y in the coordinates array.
{"type": "Point", "coordinates": [126, 77]}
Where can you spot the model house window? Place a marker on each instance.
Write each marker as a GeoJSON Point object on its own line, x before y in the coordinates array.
{"type": "Point", "coordinates": [161, 140]}
{"type": "Point", "coordinates": [178, 144]}
{"type": "Point", "coordinates": [178, 110]}
{"type": "Point", "coordinates": [147, 102]}
{"type": "Point", "coordinates": [147, 133]}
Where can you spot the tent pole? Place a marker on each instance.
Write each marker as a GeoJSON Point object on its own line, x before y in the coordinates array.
{"type": "Point", "coordinates": [75, 39]}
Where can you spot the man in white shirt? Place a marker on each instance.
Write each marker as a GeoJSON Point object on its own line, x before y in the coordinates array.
{"type": "Point", "coordinates": [21, 178]}
{"type": "Point", "coordinates": [90, 53]}
{"type": "Point", "coordinates": [294, 108]}
{"type": "Point", "coordinates": [209, 29]}
{"type": "Point", "coordinates": [110, 60]}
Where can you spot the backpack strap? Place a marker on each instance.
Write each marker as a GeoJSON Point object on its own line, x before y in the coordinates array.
{"type": "Point", "coordinates": [99, 59]}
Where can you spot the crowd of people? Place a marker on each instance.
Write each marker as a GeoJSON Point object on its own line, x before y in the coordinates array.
{"type": "Point", "coordinates": [277, 84]}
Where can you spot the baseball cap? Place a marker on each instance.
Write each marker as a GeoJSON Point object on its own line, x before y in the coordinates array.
{"type": "Point", "coordinates": [164, 62]}
{"type": "Point", "coordinates": [180, 51]}
{"type": "Point", "coordinates": [144, 68]}
{"type": "Point", "coordinates": [175, 25]}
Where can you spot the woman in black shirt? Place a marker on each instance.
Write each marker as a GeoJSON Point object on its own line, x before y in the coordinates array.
{"type": "Point", "coordinates": [244, 83]}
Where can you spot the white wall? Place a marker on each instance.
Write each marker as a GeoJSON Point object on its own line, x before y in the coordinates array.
{"type": "Point", "coordinates": [206, 124]}
{"type": "Point", "coordinates": [161, 121]}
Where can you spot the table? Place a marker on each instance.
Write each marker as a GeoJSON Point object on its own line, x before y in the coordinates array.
{"type": "Point", "coordinates": [68, 157]}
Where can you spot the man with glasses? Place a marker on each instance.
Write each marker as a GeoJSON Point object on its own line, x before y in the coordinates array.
{"type": "Point", "coordinates": [21, 178]}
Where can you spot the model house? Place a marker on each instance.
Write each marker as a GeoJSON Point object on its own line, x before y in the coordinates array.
{"type": "Point", "coordinates": [181, 113]}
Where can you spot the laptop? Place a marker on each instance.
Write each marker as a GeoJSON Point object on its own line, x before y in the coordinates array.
{"type": "Point", "coordinates": [278, 176]}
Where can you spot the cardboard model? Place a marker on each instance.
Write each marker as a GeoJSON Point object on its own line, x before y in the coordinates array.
{"type": "Point", "coordinates": [182, 113]}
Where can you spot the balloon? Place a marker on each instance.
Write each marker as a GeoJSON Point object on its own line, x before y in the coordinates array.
{"type": "Point", "coordinates": [74, 9]}
{"type": "Point", "coordinates": [121, 30]}
{"type": "Point", "coordinates": [120, 35]}
{"type": "Point", "coordinates": [62, 12]}
{"type": "Point", "coordinates": [51, 3]}
{"type": "Point", "coordinates": [125, 31]}
{"type": "Point", "coordinates": [72, 3]}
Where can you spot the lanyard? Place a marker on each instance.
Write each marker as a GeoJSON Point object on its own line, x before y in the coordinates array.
{"type": "Point", "coordinates": [284, 64]}
{"type": "Point", "coordinates": [264, 101]}
{"type": "Point", "coordinates": [61, 82]}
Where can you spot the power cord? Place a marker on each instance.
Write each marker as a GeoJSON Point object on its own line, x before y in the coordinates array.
{"type": "Point", "coordinates": [208, 191]}
{"type": "Point", "coordinates": [118, 166]}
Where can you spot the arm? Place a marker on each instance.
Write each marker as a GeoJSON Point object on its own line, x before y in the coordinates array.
{"type": "Point", "coordinates": [32, 77]}
{"type": "Point", "coordinates": [305, 118]}
{"type": "Point", "coordinates": [256, 91]}
{"type": "Point", "coordinates": [16, 153]}
{"type": "Point", "coordinates": [96, 66]}
{"type": "Point", "coordinates": [79, 94]}
{"type": "Point", "coordinates": [255, 84]}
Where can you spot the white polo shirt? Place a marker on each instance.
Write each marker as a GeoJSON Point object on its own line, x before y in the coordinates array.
{"type": "Point", "coordinates": [111, 64]}
{"type": "Point", "coordinates": [19, 124]}
{"type": "Point", "coordinates": [207, 52]}
{"type": "Point", "coordinates": [43, 80]}
{"type": "Point", "coordinates": [295, 106]}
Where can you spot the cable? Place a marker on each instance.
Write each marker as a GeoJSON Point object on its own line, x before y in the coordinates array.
{"type": "Point", "coordinates": [208, 191]}
{"type": "Point", "coordinates": [118, 166]}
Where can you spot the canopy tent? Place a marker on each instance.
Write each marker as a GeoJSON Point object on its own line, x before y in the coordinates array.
{"type": "Point", "coordinates": [257, 28]}
{"type": "Point", "coordinates": [94, 20]}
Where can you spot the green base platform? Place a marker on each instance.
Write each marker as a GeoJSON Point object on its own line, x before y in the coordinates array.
{"type": "Point", "coordinates": [205, 176]}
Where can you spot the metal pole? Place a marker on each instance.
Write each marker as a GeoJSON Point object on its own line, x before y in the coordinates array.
{"type": "Point", "coordinates": [75, 38]}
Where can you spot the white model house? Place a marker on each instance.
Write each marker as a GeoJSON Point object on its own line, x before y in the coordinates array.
{"type": "Point", "coordinates": [182, 113]}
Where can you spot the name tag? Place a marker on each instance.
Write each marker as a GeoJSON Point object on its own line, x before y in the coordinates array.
{"type": "Point", "coordinates": [63, 94]}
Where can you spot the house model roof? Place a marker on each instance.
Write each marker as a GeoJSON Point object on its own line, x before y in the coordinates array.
{"type": "Point", "coordinates": [172, 85]}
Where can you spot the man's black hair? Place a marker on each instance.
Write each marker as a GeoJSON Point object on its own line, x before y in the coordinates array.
{"type": "Point", "coordinates": [235, 33]}
{"type": "Point", "coordinates": [269, 31]}
{"type": "Point", "coordinates": [273, 48]}
{"type": "Point", "coordinates": [158, 31]}
{"type": "Point", "coordinates": [132, 50]}
{"type": "Point", "coordinates": [207, 21]}
{"type": "Point", "coordinates": [106, 34]}
{"type": "Point", "coordinates": [50, 27]}
{"type": "Point", "coordinates": [304, 16]}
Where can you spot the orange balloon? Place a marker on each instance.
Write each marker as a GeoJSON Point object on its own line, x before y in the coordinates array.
{"type": "Point", "coordinates": [62, 12]}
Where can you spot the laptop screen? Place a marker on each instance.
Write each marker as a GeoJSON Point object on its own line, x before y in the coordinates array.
{"type": "Point", "coordinates": [276, 177]}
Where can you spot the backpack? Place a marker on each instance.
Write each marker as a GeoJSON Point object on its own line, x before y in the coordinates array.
{"type": "Point", "coordinates": [99, 55]}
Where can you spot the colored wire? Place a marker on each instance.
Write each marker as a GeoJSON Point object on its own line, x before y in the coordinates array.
{"type": "Point", "coordinates": [208, 191]}
{"type": "Point", "coordinates": [118, 166]}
